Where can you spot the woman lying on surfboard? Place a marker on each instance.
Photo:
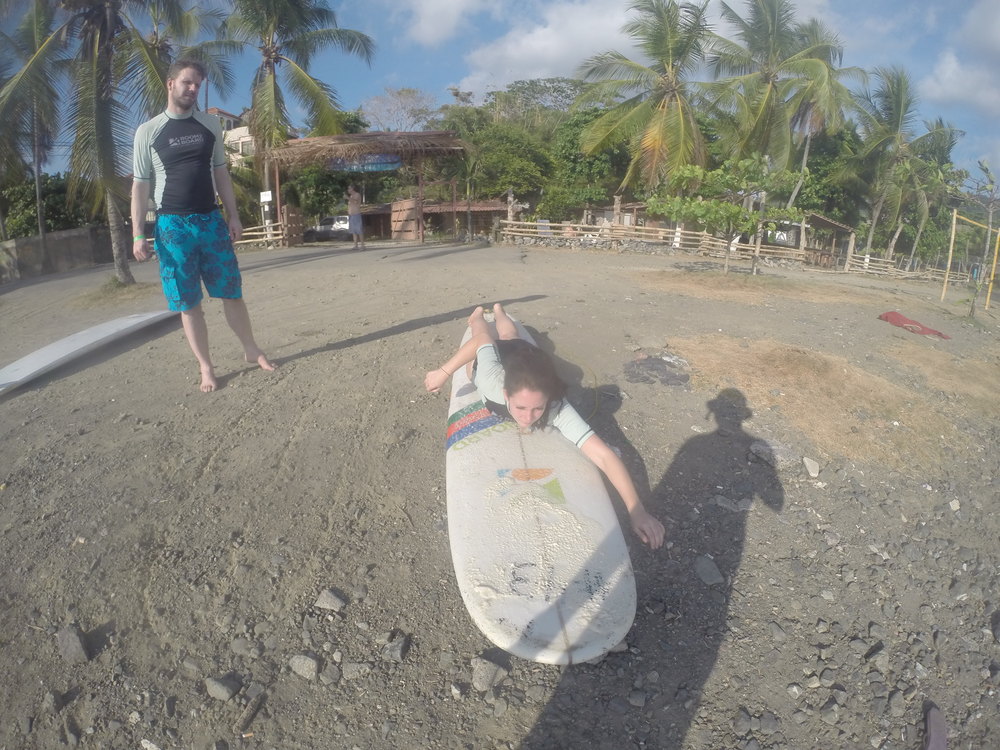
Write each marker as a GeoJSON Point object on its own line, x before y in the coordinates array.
{"type": "Point", "coordinates": [518, 381]}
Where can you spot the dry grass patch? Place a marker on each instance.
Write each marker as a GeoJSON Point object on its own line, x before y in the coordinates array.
{"type": "Point", "coordinates": [751, 290]}
{"type": "Point", "coordinates": [976, 381]}
{"type": "Point", "coordinates": [112, 291]}
{"type": "Point", "coordinates": [842, 409]}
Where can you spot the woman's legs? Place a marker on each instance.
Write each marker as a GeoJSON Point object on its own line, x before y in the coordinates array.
{"type": "Point", "coordinates": [506, 329]}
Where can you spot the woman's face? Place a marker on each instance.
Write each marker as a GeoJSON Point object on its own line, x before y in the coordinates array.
{"type": "Point", "coordinates": [526, 406]}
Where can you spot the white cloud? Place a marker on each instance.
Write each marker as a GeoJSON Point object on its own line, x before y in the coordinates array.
{"type": "Point", "coordinates": [566, 33]}
{"type": "Point", "coordinates": [980, 30]}
{"type": "Point", "coordinates": [954, 82]}
{"type": "Point", "coordinates": [431, 22]}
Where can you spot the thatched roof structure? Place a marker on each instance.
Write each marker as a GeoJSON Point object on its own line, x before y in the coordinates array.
{"type": "Point", "coordinates": [408, 146]}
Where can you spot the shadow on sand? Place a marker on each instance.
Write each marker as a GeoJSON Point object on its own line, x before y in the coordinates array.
{"type": "Point", "coordinates": [648, 695]}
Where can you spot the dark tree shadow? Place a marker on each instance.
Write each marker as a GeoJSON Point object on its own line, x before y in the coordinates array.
{"type": "Point", "coordinates": [647, 696]}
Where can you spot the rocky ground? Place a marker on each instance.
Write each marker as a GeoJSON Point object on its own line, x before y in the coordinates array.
{"type": "Point", "coordinates": [267, 566]}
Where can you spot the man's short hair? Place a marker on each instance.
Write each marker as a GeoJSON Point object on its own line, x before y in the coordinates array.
{"type": "Point", "coordinates": [178, 65]}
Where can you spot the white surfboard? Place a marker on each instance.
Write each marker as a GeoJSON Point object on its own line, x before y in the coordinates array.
{"type": "Point", "coordinates": [539, 555]}
{"type": "Point", "coordinates": [74, 346]}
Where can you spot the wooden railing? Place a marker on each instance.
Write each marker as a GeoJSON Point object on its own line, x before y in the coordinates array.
{"type": "Point", "coordinates": [702, 243]}
{"type": "Point", "coordinates": [886, 267]}
{"type": "Point", "coordinates": [676, 239]}
{"type": "Point", "coordinates": [271, 235]}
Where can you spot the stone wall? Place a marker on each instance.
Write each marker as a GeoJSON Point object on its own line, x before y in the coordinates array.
{"type": "Point", "coordinates": [67, 250]}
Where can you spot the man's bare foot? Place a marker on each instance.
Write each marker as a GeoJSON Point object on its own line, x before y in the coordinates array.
{"type": "Point", "coordinates": [208, 381]}
{"type": "Point", "coordinates": [262, 361]}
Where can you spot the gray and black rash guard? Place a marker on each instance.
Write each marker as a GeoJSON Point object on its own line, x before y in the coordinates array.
{"type": "Point", "coordinates": [177, 153]}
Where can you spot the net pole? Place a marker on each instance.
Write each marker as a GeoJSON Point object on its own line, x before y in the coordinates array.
{"type": "Point", "coordinates": [993, 271]}
{"type": "Point", "coordinates": [951, 250]}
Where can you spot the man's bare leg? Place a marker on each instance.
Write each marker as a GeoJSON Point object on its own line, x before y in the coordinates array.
{"type": "Point", "coordinates": [196, 332]}
{"type": "Point", "coordinates": [505, 326]}
{"type": "Point", "coordinates": [239, 320]}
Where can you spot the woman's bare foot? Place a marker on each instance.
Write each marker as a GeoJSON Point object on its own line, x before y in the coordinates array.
{"type": "Point", "coordinates": [208, 381]}
{"type": "Point", "coordinates": [477, 314]}
{"type": "Point", "coordinates": [261, 359]}
{"type": "Point", "coordinates": [505, 326]}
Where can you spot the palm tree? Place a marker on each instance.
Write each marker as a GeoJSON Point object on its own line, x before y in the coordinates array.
{"type": "Point", "coordinates": [890, 147]}
{"type": "Point", "coordinates": [288, 33]}
{"type": "Point", "coordinates": [657, 116]}
{"type": "Point", "coordinates": [821, 103]}
{"type": "Point", "coordinates": [776, 77]}
{"type": "Point", "coordinates": [112, 81]}
{"type": "Point", "coordinates": [29, 100]}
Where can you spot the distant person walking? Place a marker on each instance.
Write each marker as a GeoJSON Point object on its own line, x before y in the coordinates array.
{"type": "Point", "coordinates": [180, 155]}
{"type": "Point", "coordinates": [354, 225]}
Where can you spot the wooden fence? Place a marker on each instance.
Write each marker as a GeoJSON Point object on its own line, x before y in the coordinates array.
{"type": "Point", "coordinates": [269, 235]}
{"type": "Point", "coordinates": [702, 243]}
{"type": "Point", "coordinates": [677, 239]}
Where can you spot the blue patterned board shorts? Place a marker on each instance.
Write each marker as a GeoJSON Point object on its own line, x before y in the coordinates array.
{"type": "Point", "coordinates": [196, 248]}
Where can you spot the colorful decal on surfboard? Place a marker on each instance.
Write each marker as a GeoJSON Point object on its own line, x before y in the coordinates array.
{"type": "Point", "coordinates": [468, 421]}
{"type": "Point", "coordinates": [553, 490]}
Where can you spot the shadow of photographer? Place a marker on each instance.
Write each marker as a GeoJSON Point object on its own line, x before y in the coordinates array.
{"type": "Point", "coordinates": [650, 695]}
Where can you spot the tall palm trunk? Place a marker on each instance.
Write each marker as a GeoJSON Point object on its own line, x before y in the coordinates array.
{"type": "Point", "coordinates": [802, 176]}
{"type": "Point", "coordinates": [879, 204]}
{"type": "Point", "coordinates": [892, 243]}
{"type": "Point", "coordinates": [916, 241]}
{"type": "Point", "coordinates": [119, 248]}
{"type": "Point", "coordinates": [36, 154]}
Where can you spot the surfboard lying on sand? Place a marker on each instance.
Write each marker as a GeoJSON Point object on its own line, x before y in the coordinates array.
{"type": "Point", "coordinates": [539, 555]}
{"type": "Point", "coordinates": [74, 346]}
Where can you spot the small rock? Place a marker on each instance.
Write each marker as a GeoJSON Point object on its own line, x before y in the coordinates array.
{"type": "Point", "coordinates": [637, 698]}
{"type": "Point", "coordinates": [351, 670]}
{"type": "Point", "coordinates": [830, 713]}
{"type": "Point", "coordinates": [396, 649]}
{"type": "Point", "coordinates": [51, 702]}
{"type": "Point", "coordinates": [328, 599]}
{"type": "Point", "coordinates": [305, 666]}
{"type": "Point", "coordinates": [742, 723]}
{"type": "Point", "coordinates": [769, 724]}
{"type": "Point", "coordinates": [223, 688]}
{"type": "Point", "coordinates": [486, 675]}
{"type": "Point", "coordinates": [708, 571]}
{"type": "Point", "coordinates": [812, 467]}
{"type": "Point", "coordinates": [330, 674]}
{"type": "Point", "coordinates": [71, 646]}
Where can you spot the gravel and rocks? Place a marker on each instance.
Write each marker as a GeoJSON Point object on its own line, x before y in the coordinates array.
{"type": "Point", "coordinates": [268, 566]}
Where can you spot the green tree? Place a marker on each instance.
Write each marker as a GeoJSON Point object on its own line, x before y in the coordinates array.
{"type": "Point", "coordinates": [112, 79]}
{"type": "Point", "coordinates": [776, 76]}
{"type": "Point", "coordinates": [891, 150]}
{"type": "Point", "coordinates": [656, 115]}
{"type": "Point", "coordinates": [29, 100]}
{"type": "Point", "coordinates": [22, 202]}
{"type": "Point", "coordinates": [287, 34]}
{"type": "Point", "coordinates": [727, 201]}
{"type": "Point", "coordinates": [578, 179]}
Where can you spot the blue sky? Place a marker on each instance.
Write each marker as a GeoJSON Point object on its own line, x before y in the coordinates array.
{"type": "Point", "coordinates": [949, 48]}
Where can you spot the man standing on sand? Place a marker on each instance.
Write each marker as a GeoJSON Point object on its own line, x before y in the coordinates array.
{"type": "Point", "coordinates": [354, 225]}
{"type": "Point", "coordinates": [180, 153]}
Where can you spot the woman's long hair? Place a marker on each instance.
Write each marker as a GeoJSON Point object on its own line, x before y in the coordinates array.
{"type": "Point", "coordinates": [529, 367]}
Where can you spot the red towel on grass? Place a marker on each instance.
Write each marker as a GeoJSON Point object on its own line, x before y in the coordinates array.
{"type": "Point", "coordinates": [910, 325]}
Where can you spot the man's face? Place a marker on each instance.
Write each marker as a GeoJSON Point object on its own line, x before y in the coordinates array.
{"type": "Point", "coordinates": [182, 91]}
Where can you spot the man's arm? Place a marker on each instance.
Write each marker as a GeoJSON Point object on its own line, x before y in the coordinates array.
{"type": "Point", "coordinates": [224, 187]}
{"type": "Point", "coordinates": [140, 204]}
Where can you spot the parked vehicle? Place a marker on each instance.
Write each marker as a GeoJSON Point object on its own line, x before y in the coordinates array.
{"type": "Point", "coordinates": [330, 228]}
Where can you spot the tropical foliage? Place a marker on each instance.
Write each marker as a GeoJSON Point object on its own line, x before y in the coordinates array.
{"type": "Point", "coordinates": [715, 153]}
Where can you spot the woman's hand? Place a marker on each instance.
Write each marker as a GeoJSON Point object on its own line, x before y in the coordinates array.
{"type": "Point", "coordinates": [647, 527]}
{"type": "Point", "coordinates": [435, 379]}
